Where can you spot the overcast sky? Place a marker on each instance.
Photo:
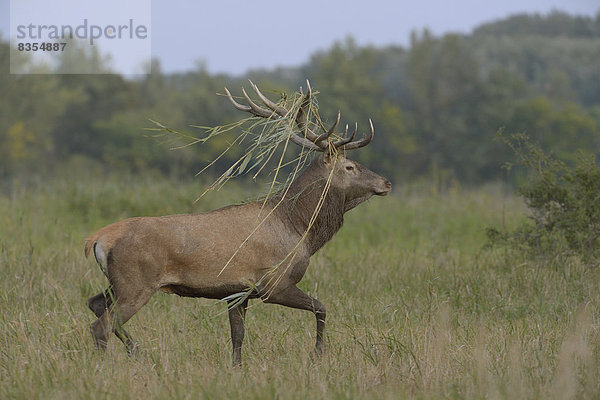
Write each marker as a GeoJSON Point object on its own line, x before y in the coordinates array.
{"type": "Point", "coordinates": [234, 36]}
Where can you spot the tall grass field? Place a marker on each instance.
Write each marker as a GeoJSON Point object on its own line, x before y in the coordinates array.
{"type": "Point", "coordinates": [418, 306]}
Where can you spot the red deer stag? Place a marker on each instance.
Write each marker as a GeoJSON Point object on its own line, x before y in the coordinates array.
{"type": "Point", "coordinates": [186, 254]}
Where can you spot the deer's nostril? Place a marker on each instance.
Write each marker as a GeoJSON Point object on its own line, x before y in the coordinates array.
{"type": "Point", "coordinates": [385, 188]}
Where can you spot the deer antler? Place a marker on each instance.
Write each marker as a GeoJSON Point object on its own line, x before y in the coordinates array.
{"type": "Point", "coordinates": [308, 138]}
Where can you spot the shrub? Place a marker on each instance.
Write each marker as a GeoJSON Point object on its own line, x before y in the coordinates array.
{"type": "Point", "coordinates": [564, 201]}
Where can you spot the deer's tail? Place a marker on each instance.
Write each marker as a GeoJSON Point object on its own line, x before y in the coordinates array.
{"type": "Point", "coordinates": [93, 243]}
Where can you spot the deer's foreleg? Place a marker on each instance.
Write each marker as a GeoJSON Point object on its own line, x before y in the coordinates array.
{"type": "Point", "coordinates": [236, 320]}
{"type": "Point", "coordinates": [296, 298]}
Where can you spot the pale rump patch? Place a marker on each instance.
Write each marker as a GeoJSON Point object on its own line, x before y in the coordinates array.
{"type": "Point", "coordinates": [101, 257]}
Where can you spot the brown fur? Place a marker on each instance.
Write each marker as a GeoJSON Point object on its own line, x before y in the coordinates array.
{"type": "Point", "coordinates": [186, 254]}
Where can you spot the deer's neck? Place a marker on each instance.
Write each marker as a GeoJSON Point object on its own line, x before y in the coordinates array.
{"type": "Point", "coordinates": [309, 208]}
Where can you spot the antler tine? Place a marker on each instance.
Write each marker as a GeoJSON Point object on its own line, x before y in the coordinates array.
{"type": "Point", "coordinates": [301, 120]}
{"type": "Point", "coordinates": [304, 105]}
{"type": "Point", "coordinates": [362, 142]}
{"type": "Point", "coordinates": [256, 110]}
{"type": "Point", "coordinates": [282, 112]}
{"type": "Point", "coordinates": [347, 139]}
{"type": "Point", "coordinates": [335, 124]}
{"type": "Point", "coordinates": [328, 133]}
{"type": "Point", "coordinates": [307, 96]}
{"type": "Point", "coordinates": [237, 105]}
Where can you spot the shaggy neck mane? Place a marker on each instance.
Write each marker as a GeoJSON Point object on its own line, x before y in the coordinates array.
{"type": "Point", "coordinates": [302, 200]}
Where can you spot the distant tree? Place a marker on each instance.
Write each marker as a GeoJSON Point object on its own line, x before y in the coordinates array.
{"type": "Point", "coordinates": [556, 23]}
{"type": "Point", "coordinates": [564, 127]}
{"type": "Point", "coordinates": [447, 90]}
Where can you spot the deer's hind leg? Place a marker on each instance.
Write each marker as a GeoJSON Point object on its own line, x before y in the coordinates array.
{"type": "Point", "coordinates": [99, 304]}
{"type": "Point", "coordinates": [113, 309]}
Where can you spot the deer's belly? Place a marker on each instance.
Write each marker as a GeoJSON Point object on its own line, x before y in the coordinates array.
{"type": "Point", "coordinates": [213, 292]}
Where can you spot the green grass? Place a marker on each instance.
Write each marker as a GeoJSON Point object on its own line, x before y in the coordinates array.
{"type": "Point", "coordinates": [416, 306]}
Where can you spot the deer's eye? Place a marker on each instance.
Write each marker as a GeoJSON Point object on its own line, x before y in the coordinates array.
{"type": "Point", "coordinates": [349, 168]}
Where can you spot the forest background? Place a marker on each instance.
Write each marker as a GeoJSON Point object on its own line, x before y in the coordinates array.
{"type": "Point", "coordinates": [437, 104]}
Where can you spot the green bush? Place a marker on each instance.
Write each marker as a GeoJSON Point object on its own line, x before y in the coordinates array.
{"type": "Point", "coordinates": [564, 201]}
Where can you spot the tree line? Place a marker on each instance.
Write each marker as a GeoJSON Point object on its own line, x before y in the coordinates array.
{"type": "Point", "coordinates": [437, 104]}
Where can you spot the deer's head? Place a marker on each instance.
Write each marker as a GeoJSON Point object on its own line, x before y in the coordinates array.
{"type": "Point", "coordinates": [356, 181]}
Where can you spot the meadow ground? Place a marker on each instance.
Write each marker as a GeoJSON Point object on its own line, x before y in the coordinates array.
{"type": "Point", "coordinates": [417, 307]}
